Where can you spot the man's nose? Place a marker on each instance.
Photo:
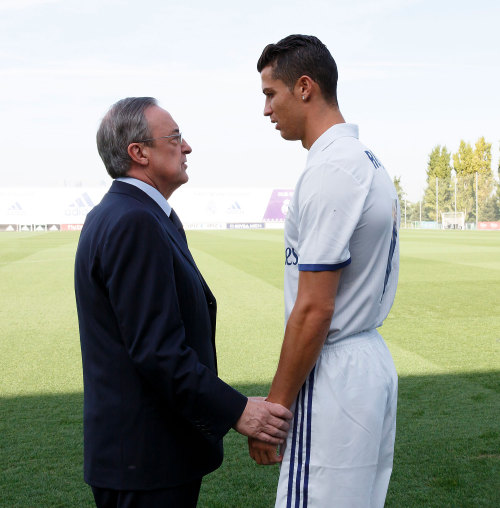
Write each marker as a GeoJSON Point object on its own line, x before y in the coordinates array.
{"type": "Point", "coordinates": [186, 148]}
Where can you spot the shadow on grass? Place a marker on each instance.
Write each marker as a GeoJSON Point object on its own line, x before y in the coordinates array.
{"type": "Point", "coordinates": [447, 450]}
{"type": "Point", "coordinates": [41, 446]}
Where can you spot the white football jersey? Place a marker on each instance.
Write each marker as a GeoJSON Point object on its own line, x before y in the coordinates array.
{"type": "Point", "coordinates": [344, 213]}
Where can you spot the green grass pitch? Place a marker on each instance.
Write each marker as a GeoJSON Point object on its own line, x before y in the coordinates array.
{"type": "Point", "coordinates": [443, 332]}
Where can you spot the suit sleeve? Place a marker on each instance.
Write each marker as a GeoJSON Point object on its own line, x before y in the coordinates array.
{"type": "Point", "coordinates": [138, 270]}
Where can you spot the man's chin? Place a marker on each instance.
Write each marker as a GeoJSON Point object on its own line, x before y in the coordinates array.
{"type": "Point", "coordinates": [288, 137]}
{"type": "Point", "coordinates": [183, 179]}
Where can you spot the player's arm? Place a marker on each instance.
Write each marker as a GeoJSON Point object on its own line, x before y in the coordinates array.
{"type": "Point", "coordinates": [305, 334]}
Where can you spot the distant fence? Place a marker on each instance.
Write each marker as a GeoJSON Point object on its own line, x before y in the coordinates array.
{"type": "Point", "coordinates": [493, 226]}
{"type": "Point", "coordinates": [483, 226]}
{"type": "Point", "coordinates": [473, 195]}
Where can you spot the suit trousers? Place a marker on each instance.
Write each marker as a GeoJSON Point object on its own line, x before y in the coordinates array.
{"type": "Point", "coordinates": [181, 496]}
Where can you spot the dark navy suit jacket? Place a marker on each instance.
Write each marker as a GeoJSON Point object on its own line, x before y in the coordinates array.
{"type": "Point", "coordinates": [155, 411]}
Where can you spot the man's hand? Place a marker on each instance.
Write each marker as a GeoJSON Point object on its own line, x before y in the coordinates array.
{"type": "Point", "coordinates": [264, 421]}
{"type": "Point", "coordinates": [263, 453]}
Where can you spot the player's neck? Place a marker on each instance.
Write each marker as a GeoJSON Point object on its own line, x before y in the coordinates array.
{"type": "Point", "coordinates": [319, 120]}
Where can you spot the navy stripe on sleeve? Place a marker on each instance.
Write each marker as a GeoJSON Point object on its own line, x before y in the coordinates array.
{"type": "Point", "coordinates": [324, 268]}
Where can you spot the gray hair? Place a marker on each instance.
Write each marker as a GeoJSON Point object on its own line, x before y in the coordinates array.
{"type": "Point", "coordinates": [124, 123]}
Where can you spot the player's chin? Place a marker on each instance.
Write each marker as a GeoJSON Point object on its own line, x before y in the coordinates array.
{"type": "Point", "coordinates": [288, 136]}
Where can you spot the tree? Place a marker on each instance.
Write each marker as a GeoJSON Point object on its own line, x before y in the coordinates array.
{"type": "Point", "coordinates": [463, 164]}
{"type": "Point", "coordinates": [438, 167]}
{"type": "Point", "coordinates": [403, 203]}
{"type": "Point", "coordinates": [485, 180]}
{"type": "Point", "coordinates": [399, 189]}
{"type": "Point", "coordinates": [497, 197]}
{"type": "Point", "coordinates": [490, 210]}
{"type": "Point", "coordinates": [467, 163]}
{"type": "Point", "coordinates": [413, 211]}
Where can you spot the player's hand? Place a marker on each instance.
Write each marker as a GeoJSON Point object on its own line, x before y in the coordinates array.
{"type": "Point", "coordinates": [263, 453]}
{"type": "Point", "coordinates": [265, 421]}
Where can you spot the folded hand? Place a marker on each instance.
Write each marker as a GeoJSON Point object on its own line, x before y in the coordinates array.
{"type": "Point", "coordinates": [263, 453]}
{"type": "Point", "coordinates": [265, 421]}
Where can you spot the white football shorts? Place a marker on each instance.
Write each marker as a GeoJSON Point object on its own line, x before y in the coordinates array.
{"type": "Point", "coordinates": [340, 447]}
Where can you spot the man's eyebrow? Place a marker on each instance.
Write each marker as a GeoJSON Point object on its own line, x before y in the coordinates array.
{"type": "Point", "coordinates": [266, 90]}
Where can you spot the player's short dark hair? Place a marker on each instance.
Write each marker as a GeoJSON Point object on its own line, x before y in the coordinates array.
{"type": "Point", "coordinates": [298, 55]}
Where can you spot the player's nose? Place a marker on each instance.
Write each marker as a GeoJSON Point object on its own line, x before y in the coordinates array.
{"type": "Point", "coordinates": [267, 109]}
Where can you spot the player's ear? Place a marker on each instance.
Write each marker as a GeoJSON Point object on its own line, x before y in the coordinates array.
{"type": "Point", "coordinates": [303, 87]}
{"type": "Point", "coordinates": [139, 153]}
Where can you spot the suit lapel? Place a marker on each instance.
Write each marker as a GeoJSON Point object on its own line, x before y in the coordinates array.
{"type": "Point", "coordinates": [175, 235]}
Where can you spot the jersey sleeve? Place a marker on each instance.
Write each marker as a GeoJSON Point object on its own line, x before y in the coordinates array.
{"type": "Point", "coordinates": [330, 203]}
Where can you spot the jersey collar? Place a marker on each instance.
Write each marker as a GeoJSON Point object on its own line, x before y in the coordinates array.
{"type": "Point", "coordinates": [339, 130]}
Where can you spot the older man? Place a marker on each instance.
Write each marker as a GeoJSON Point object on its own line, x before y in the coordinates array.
{"type": "Point", "coordinates": [155, 411]}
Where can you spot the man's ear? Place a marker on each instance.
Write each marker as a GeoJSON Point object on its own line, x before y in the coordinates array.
{"type": "Point", "coordinates": [138, 153]}
{"type": "Point", "coordinates": [304, 86]}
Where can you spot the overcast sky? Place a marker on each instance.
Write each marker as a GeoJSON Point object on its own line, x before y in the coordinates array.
{"type": "Point", "coordinates": [412, 74]}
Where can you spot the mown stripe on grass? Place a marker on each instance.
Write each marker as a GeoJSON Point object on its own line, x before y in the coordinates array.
{"type": "Point", "coordinates": [258, 253]}
{"type": "Point", "coordinates": [40, 347]}
{"type": "Point", "coordinates": [409, 363]}
{"type": "Point", "coordinates": [249, 323]}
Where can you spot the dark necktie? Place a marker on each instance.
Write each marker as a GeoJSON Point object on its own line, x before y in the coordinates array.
{"type": "Point", "coordinates": [178, 224]}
